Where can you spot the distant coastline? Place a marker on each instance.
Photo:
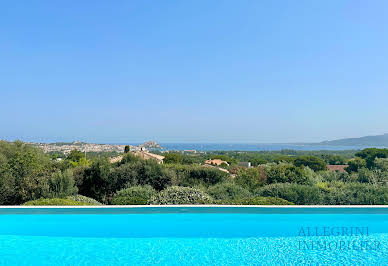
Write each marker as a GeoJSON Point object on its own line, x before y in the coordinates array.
{"type": "Point", "coordinates": [254, 147]}
{"type": "Point", "coordinates": [379, 141]}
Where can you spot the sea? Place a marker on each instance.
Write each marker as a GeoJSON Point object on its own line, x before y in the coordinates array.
{"type": "Point", "coordinates": [253, 147]}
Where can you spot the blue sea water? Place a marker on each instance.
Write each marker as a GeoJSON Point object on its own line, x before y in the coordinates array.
{"type": "Point", "coordinates": [191, 238]}
{"type": "Point", "coordinates": [253, 147]}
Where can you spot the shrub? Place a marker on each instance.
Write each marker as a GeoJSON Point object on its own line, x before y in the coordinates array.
{"type": "Point", "coordinates": [339, 193]}
{"type": "Point", "coordinates": [23, 173]}
{"type": "Point", "coordinates": [55, 202]}
{"type": "Point", "coordinates": [181, 195]}
{"type": "Point", "coordinates": [193, 175]}
{"type": "Point", "coordinates": [102, 179]}
{"type": "Point", "coordinates": [153, 174]}
{"type": "Point", "coordinates": [328, 176]}
{"type": "Point", "coordinates": [261, 201]}
{"type": "Point", "coordinates": [355, 164]}
{"type": "Point", "coordinates": [331, 193]}
{"type": "Point", "coordinates": [95, 181]}
{"type": "Point", "coordinates": [61, 184]}
{"type": "Point", "coordinates": [289, 173]}
{"type": "Point", "coordinates": [31, 187]}
{"type": "Point", "coordinates": [370, 154]}
{"type": "Point", "coordinates": [381, 164]}
{"type": "Point", "coordinates": [313, 162]}
{"type": "Point", "coordinates": [172, 157]}
{"type": "Point", "coordinates": [79, 175]}
{"type": "Point", "coordinates": [228, 191]}
{"type": "Point", "coordinates": [134, 195]}
{"type": "Point", "coordinates": [84, 199]}
{"type": "Point", "coordinates": [333, 159]}
{"type": "Point", "coordinates": [298, 194]}
{"type": "Point", "coordinates": [251, 178]}
{"type": "Point", "coordinates": [141, 172]}
{"type": "Point", "coordinates": [125, 175]}
{"type": "Point", "coordinates": [129, 158]}
{"type": "Point", "coordinates": [364, 175]}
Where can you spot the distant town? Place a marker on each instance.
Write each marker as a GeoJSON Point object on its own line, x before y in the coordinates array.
{"type": "Point", "coordinates": [67, 147]}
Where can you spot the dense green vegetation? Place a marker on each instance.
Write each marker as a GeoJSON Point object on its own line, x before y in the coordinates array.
{"type": "Point", "coordinates": [138, 195]}
{"type": "Point", "coordinates": [181, 195]}
{"type": "Point", "coordinates": [262, 157]}
{"type": "Point", "coordinates": [56, 202]}
{"type": "Point", "coordinates": [260, 201]}
{"type": "Point", "coordinates": [28, 176]}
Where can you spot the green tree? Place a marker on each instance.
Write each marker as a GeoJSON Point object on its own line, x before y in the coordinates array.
{"type": "Point", "coordinates": [129, 158]}
{"type": "Point", "coordinates": [289, 173]}
{"type": "Point", "coordinates": [355, 164]}
{"type": "Point", "coordinates": [313, 162]}
{"type": "Point", "coordinates": [153, 174]}
{"type": "Point", "coordinates": [370, 154]}
{"type": "Point", "coordinates": [333, 159]}
{"type": "Point", "coordinates": [61, 184]}
{"type": "Point", "coordinates": [251, 178]}
{"type": "Point", "coordinates": [95, 181]}
{"type": "Point", "coordinates": [223, 157]}
{"type": "Point", "coordinates": [228, 191]}
{"type": "Point", "coordinates": [126, 149]}
{"type": "Point", "coordinates": [77, 158]}
{"type": "Point", "coordinates": [194, 175]}
{"type": "Point", "coordinates": [23, 172]}
{"type": "Point", "coordinates": [172, 157]}
{"type": "Point", "coordinates": [381, 164]}
{"type": "Point", "coordinates": [75, 155]}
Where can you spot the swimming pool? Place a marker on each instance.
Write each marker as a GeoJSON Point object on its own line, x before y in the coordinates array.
{"type": "Point", "coordinates": [193, 236]}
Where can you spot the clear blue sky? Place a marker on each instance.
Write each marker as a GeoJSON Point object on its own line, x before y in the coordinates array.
{"type": "Point", "coordinates": [193, 71]}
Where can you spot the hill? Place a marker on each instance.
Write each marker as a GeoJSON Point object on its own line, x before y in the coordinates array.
{"type": "Point", "coordinates": [380, 140]}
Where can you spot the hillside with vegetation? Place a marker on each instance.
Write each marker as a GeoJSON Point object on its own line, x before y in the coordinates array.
{"type": "Point", "coordinates": [29, 176]}
{"type": "Point", "coordinates": [377, 141]}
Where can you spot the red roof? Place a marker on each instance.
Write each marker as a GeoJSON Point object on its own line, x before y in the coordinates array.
{"type": "Point", "coordinates": [340, 168]}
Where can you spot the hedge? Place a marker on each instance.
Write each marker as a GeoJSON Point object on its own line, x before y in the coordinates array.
{"type": "Point", "coordinates": [138, 195]}
{"type": "Point", "coordinates": [55, 202]}
{"type": "Point", "coordinates": [181, 195]}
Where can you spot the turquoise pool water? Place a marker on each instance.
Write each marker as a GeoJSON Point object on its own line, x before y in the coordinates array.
{"type": "Point", "coordinates": [193, 236]}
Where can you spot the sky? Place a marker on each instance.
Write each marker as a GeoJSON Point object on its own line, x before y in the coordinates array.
{"type": "Point", "coordinates": [193, 71]}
